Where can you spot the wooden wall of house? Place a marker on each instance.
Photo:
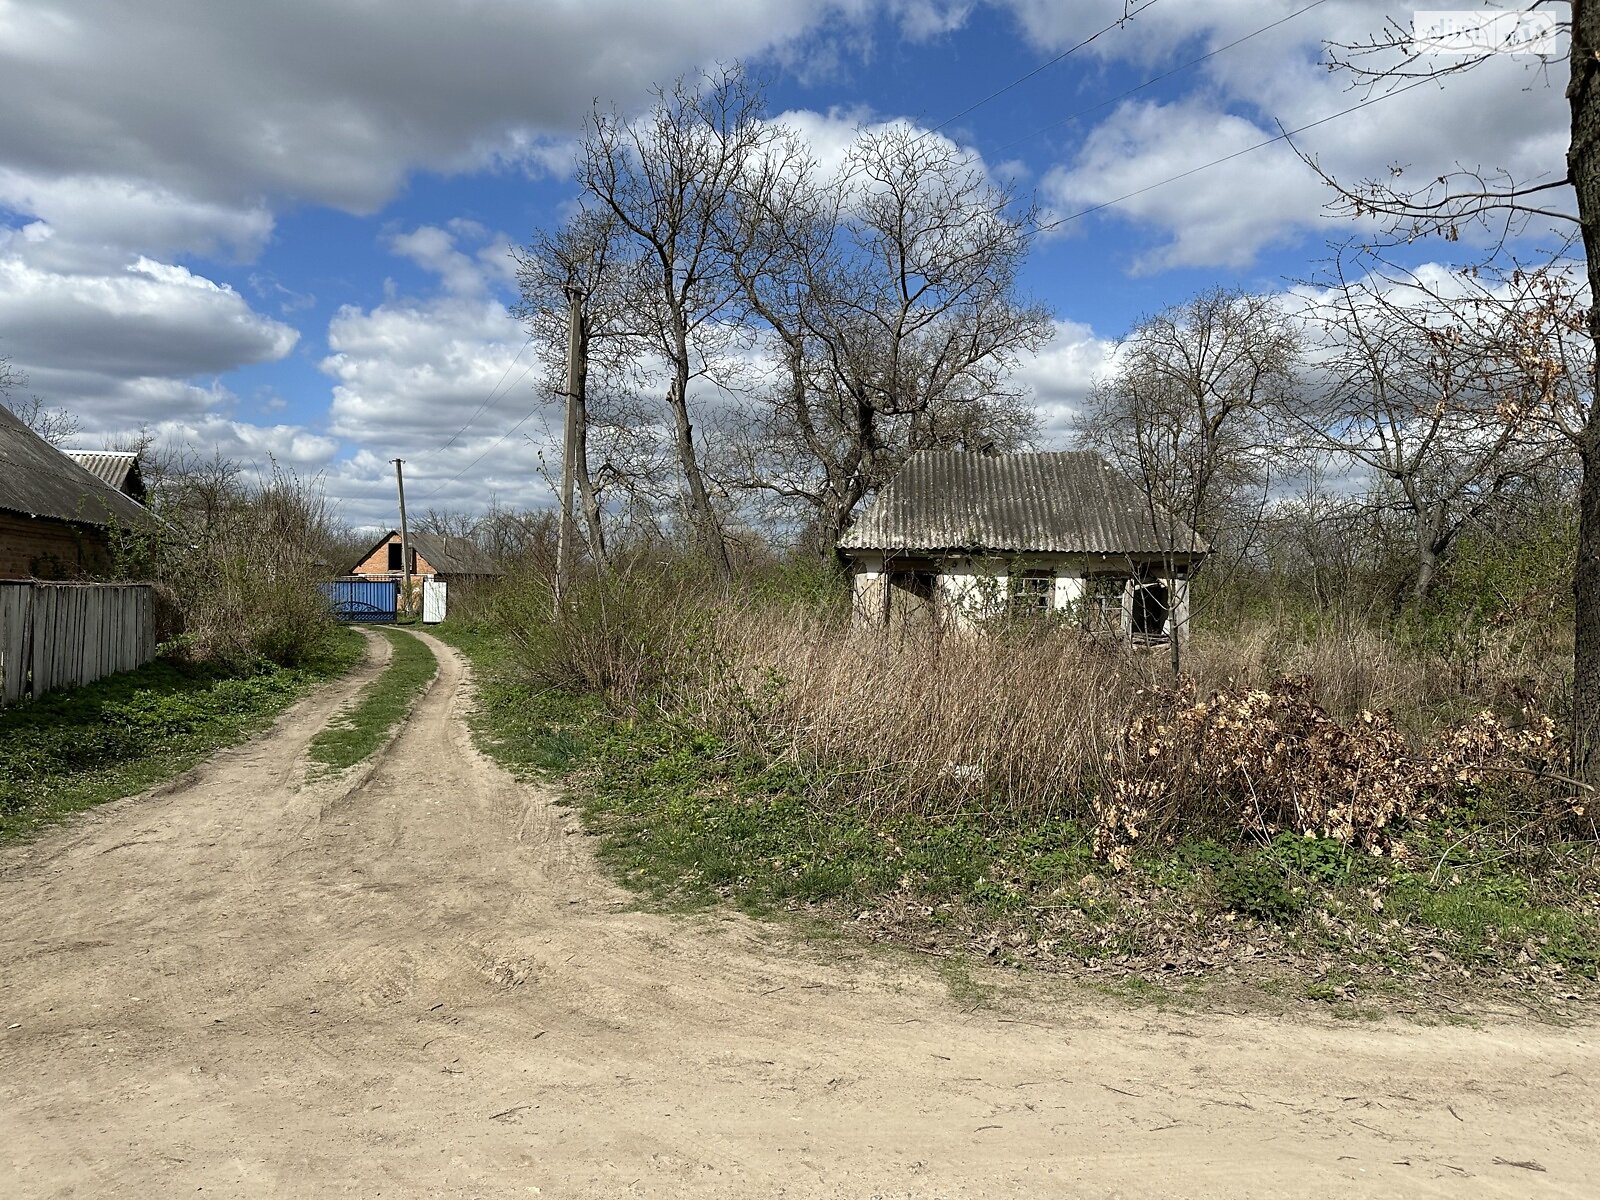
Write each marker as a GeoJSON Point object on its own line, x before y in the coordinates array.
{"type": "Point", "coordinates": [377, 563]}
{"type": "Point", "coordinates": [39, 548]}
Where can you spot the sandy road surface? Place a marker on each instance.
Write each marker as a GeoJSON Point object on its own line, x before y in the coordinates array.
{"type": "Point", "coordinates": [418, 985]}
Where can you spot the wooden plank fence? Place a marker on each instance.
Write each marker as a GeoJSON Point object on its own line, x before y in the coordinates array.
{"type": "Point", "coordinates": [57, 635]}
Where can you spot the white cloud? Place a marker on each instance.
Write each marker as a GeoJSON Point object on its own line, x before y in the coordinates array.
{"type": "Point", "coordinates": [120, 342]}
{"type": "Point", "coordinates": [149, 319]}
{"type": "Point", "coordinates": [105, 214]}
{"type": "Point", "coordinates": [334, 101]}
{"type": "Point", "coordinates": [1505, 113]}
{"type": "Point", "coordinates": [1060, 375]}
{"type": "Point", "coordinates": [1222, 216]}
{"type": "Point", "coordinates": [411, 371]}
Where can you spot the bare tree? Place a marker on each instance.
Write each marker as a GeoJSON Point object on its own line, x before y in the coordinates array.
{"type": "Point", "coordinates": [589, 258]}
{"type": "Point", "coordinates": [1426, 388]}
{"type": "Point", "coordinates": [54, 425]}
{"type": "Point", "coordinates": [1184, 412]}
{"type": "Point", "coordinates": [664, 178]}
{"type": "Point", "coordinates": [1453, 200]}
{"type": "Point", "coordinates": [889, 291]}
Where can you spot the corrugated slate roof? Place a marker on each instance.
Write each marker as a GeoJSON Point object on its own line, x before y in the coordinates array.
{"type": "Point", "coordinates": [453, 555]}
{"type": "Point", "coordinates": [37, 480]}
{"type": "Point", "coordinates": [1068, 502]}
{"type": "Point", "coordinates": [119, 468]}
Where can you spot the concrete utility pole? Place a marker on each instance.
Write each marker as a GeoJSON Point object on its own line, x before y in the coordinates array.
{"type": "Point", "coordinates": [405, 534]}
{"type": "Point", "coordinates": [569, 441]}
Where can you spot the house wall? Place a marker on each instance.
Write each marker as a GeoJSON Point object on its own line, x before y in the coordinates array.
{"type": "Point", "coordinates": [868, 590]}
{"type": "Point", "coordinates": [971, 590]}
{"type": "Point", "coordinates": [377, 563]}
{"type": "Point", "coordinates": [40, 548]}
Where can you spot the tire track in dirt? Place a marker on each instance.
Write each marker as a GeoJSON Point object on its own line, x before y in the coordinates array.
{"type": "Point", "coordinates": [423, 986]}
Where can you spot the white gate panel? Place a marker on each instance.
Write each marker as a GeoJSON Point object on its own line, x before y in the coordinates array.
{"type": "Point", "coordinates": [433, 601]}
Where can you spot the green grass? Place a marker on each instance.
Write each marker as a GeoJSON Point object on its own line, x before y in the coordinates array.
{"type": "Point", "coordinates": [360, 729]}
{"type": "Point", "coordinates": [688, 820]}
{"type": "Point", "coordinates": [120, 735]}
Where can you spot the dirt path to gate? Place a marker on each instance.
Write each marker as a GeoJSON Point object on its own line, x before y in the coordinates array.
{"type": "Point", "coordinates": [415, 983]}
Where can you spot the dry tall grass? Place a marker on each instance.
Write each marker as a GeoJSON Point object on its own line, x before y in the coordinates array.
{"type": "Point", "coordinates": [1025, 721]}
{"type": "Point", "coordinates": [932, 724]}
{"type": "Point", "coordinates": [1028, 719]}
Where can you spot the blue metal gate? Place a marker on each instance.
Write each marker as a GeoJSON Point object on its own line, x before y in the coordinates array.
{"type": "Point", "coordinates": [372, 600]}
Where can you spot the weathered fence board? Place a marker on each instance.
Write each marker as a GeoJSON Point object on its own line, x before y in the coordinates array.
{"type": "Point", "coordinates": [56, 635]}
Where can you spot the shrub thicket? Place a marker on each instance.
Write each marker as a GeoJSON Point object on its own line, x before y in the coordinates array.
{"type": "Point", "coordinates": [239, 567]}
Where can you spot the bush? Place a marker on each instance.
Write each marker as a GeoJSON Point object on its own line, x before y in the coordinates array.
{"type": "Point", "coordinates": [1266, 761]}
{"type": "Point", "coordinates": [1256, 887]}
{"type": "Point", "coordinates": [239, 572]}
{"type": "Point", "coordinates": [624, 636]}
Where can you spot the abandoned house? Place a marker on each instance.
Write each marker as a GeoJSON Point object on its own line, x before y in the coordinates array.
{"type": "Point", "coordinates": [433, 556]}
{"type": "Point", "coordinates": [56, 517]}
{"type": "Point", "coordinates": [957, 537]}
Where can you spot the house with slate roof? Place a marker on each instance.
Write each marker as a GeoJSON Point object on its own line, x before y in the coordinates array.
{"type": "Point", "coordinates": [56, 517]}
{"type": "Point", "coordinates": [433, 556]}
{"type": "Point", "coordinates": [957, 537]}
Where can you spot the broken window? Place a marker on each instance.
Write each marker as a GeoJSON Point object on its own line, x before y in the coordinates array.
{"type": "Point", "coordinates": [911, 597]}
{"type": "Point", "coordinates": [1151, 607]}
{"type": "Point", "coordinates": [1032, 592]}
{"type": "Point", "coordinates": [395, 560]}
{"type": "Point", "coordinates": [1102, 603]}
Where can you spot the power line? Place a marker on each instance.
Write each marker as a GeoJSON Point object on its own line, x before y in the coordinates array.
{"type": "Point", "coordinates": [1127, 15]}
{"type": "Point", "coordinates": [494, 445]}
{"type": "Point", "coordinates": [1217, 162]}
{"type": "Point", "coordinates": [1155, 79]}
{"type": "Point", "coordinates": [487, 399]}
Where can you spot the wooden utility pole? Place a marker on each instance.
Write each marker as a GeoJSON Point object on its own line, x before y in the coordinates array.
{"type": "Point", "coordinates": [405, 534]}
{"type": "Point", "coordinates": [569, 441]}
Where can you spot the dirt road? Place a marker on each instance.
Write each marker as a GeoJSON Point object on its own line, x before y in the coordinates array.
{"type": "Point", "coordinates": [416, 984]}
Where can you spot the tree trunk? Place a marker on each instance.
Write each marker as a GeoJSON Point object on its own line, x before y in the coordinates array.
{"type": "Point", "coordinates": [588, 499]}
{"type": "Point", "coordinates": [1583, 163]}
{"type": "Point", "coordinates": [708, 530]}
{"type": "Point", "coordinates": [1427, 567]}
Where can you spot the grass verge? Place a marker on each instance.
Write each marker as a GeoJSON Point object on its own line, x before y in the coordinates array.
{"type": "Point", "coordinates": [688, 820]}
{"type": "Point", "coordinates": [122, 734]}
{"type": "Point", "coordinates": [360, 729]}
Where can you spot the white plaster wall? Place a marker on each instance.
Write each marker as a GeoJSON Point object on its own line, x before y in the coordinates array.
{"type": "Point", "coordinates": [868, 586]}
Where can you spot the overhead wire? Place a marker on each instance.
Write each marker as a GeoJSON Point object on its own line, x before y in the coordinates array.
{"type": "Point", "coordinates": [1127, 15]}
{"type": "Point", "coordinates": [1284, 136]}
{"type": "Point", "coordinates": [1155, 79]}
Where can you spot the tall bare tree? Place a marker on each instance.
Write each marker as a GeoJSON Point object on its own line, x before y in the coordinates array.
{"type": "Point", "coordinates": [1427, 386]}
{"type": "Point", "coordinates": [587, 257]}
{"type": "Point", "coordinates": [889, 290]}
{"type": "Point", "coordinates": [1185, 407]}
{"type": "Point", "coordinates": [1452, 201]}
{"type": "Point", "coordinates": [665, 178]}
{"type": "Point", "coordinates": [1185, 413]}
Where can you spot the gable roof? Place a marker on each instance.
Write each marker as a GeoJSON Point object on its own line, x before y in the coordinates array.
{"type": "Point", "coordinates": [119, 468]}
{"type": "Point", "coordinates": [446, 555]}
{"type": "Point", "coordinates": [1065, 502]}
{"type": "Point", "coordinates": [37, 480]}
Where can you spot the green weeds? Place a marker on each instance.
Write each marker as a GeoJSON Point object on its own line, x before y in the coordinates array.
{"type": "Point", "coordinates": [119, 735]}
{"type": "Point", "coordinates": [361, 729]}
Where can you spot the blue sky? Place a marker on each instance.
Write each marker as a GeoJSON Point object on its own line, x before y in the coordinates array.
{"type": "Point", "coordinates": [280, 230]}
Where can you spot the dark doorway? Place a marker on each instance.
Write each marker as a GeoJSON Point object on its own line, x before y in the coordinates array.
{"type": "Point", "coordinates": [1151, 607]}
{"type": "Point", "coordinates": [911, 599]}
